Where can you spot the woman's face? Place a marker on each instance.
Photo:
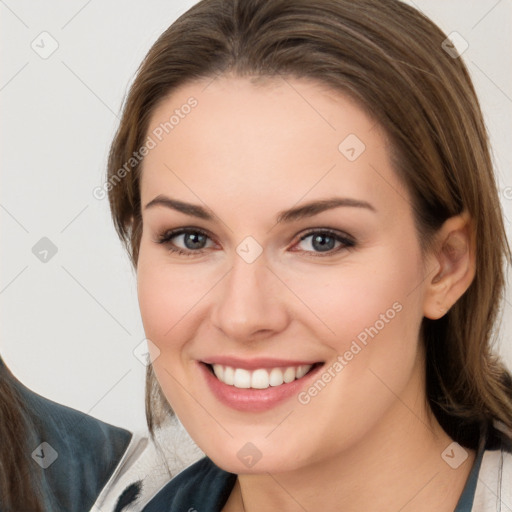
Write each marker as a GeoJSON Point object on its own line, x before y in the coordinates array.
{"type": "Point", "coordinates": [299, 254]}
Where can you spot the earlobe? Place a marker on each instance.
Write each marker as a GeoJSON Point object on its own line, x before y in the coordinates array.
{"type": "Point", "coordinates": [454, 256]}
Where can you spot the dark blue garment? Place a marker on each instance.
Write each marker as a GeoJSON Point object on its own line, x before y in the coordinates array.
{"type": "Point", "coordinates": [204, 487]}
{"type": "Point", "coordinates": [87, 449]}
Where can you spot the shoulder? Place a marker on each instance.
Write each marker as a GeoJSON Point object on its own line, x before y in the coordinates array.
{"type": "Point", "coordinates": [77, 453]}
{"type": "Point", "coordinates": [147, 466]}
{"type": "Point", "coordinates": [494, 488]}
{"type": "Point", "coordinates": [202, 486]}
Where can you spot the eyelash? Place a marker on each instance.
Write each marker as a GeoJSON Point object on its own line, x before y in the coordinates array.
{"type": "Point", "coordinates": [166, 237]}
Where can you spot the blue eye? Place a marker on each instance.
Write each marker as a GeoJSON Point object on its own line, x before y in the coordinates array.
{"type": "Point", "coordinates": [323, 242]}
{"type": "Point", "coordinates": [193, 241]}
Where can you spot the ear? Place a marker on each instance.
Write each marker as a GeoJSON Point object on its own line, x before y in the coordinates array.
{"type": "Point", "coordinates": [454, 260]}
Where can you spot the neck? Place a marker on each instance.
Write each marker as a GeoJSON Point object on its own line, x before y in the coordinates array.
{"type": "Point", "coordinates": [398, 466]}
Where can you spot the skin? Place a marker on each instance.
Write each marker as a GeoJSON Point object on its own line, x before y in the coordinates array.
{"type": "Point", "coordinates": [247, 151]}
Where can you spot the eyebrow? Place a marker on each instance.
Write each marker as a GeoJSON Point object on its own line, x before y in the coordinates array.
{"type": "Point", "coordinates": [290, 215]}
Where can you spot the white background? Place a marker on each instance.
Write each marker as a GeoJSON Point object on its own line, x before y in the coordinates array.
{"type": "Point", "coordinates": [69, 326]}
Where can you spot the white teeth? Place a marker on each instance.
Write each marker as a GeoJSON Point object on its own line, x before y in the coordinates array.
{"type": "Point", "coordinates": [260, 378]}
{"type": "Point", "coordinates": [302, 370]}
{"type": "Point", "coordinates": [229, 376]}
{"type": "Point", "coordinates": [276, 377]}
{"type": "Point", "coordinates": [289, 374]}
{"type": "Point", "coordinates": [242, 379]}
{"type": "Point", "coordinates": [219, 371]}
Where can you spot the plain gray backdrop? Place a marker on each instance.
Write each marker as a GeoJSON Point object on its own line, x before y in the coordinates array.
{"type": "Point", "coordinates": [70, 320]}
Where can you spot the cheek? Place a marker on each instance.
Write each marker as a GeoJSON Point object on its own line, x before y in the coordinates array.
{"type": "Point", "coordinates": [167, 295]}
{"type": "Point", "coordinates": [156, 310]}
{"type": "Point", "coordinates": [166, 298]}
{"type": "Point", "coordinates": [358, 301]}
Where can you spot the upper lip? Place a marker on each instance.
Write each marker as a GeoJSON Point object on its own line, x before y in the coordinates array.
{"type": "Point", "coordinates": [256, 363]}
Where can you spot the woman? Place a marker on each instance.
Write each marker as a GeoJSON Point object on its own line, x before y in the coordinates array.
{"type": "Point", "coordinates": [306, 192]}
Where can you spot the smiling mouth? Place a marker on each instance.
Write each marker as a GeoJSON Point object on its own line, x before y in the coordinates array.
{"type": "Point", "coordinates": [261, 378]}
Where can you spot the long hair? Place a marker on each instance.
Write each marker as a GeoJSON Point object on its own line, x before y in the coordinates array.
{"type": "Point", "coordinates": [390, 59]}
{"type": "Point", "coordinates": [19, 482]}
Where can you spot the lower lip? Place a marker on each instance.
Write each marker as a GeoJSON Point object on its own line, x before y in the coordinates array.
{"type": "Point", "coordinates": [254, 400]}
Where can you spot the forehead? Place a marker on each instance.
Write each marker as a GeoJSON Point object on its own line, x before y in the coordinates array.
{"type": "Point", "coordinates": [278, 140]}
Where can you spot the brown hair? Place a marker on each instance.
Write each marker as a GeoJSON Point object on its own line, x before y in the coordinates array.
{"type": "Point", "coordinates": [389, 58]}
{"type": "Point", "coordinates": [19, 484]}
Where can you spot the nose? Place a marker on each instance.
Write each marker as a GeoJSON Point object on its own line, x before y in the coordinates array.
{"type": "Point", "coordinates": [251, 303]}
